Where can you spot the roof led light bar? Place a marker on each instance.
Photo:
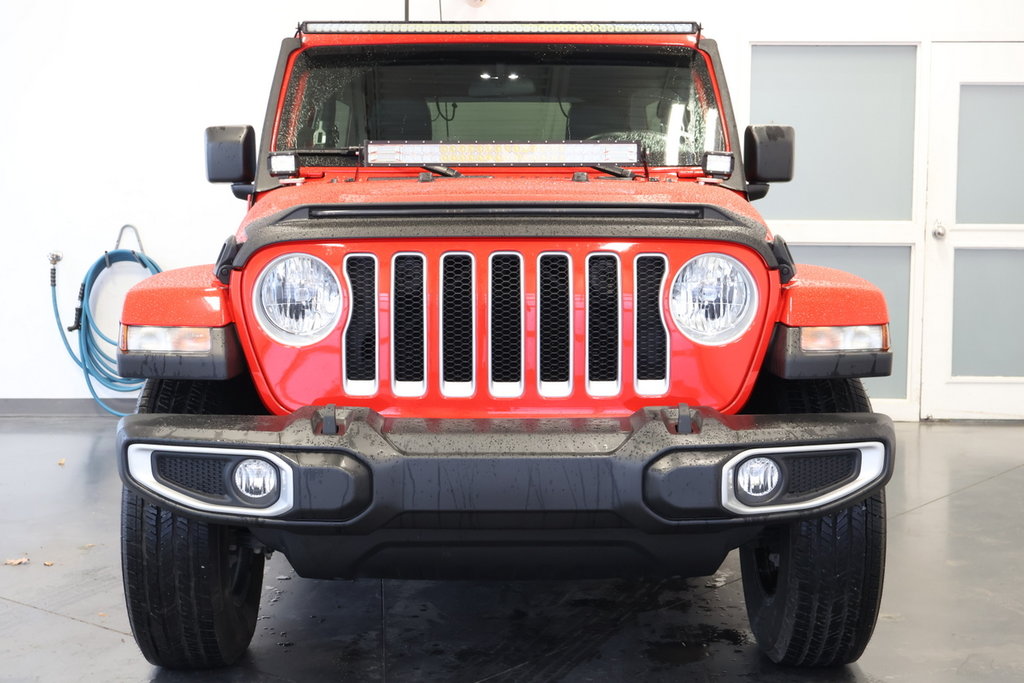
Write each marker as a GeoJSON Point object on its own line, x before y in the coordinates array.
{"type": "Point", "coordinates": [686, 27]}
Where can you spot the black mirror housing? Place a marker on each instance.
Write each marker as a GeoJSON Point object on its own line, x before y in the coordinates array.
{"type": "Point", "coordinates": [768, 154]}
{"type": "Point", "coordinates": [230, 154]}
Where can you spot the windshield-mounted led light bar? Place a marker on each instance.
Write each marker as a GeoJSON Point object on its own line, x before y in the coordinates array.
{"type": "Point", "coordinates": [686, 27]}
{"type": "Point", "coordinates": [502, 153]}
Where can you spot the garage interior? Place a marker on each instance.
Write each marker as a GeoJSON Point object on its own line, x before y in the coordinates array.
{"type": "Point", "coordinates": [953, 607]}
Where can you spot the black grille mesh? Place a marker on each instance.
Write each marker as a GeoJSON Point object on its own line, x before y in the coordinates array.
{"type": "Point", "coordinates": [506, 318]}
{"type": "Point", "coordinates": [201, 474]}
{"type": "Point", "coordinates": [555, 317]}
{"type": "Point", "coordinates": [651, 337]}
{"type": "Point", "coordinates": [814, 473]}
{"type": "Point", "coordinates": [457, 314]}
{"type": "Point", "coordinates": [505, 314]}
{"type": "Point", "coordinates": [408, 310]}
{"type": "Point", "coordinates": [603, 319]}
{"type": "Point", "coordinates": [361, 334]}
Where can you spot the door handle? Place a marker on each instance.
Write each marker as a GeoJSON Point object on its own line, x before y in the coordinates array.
{"type": "Point", "coordinates": [939, 231]}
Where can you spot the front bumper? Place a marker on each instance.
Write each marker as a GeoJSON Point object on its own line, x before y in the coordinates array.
{"type": "Point", "coordinates": [390, 486]}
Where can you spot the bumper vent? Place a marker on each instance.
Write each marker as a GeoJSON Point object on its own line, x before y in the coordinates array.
{"type": "Point", "coordinates": [204, 475]}
{"type": "Point", "coordinates": [813, 474]}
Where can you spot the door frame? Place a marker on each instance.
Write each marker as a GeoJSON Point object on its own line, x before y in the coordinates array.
{"type": "Point", "coordinates": [944, 396]}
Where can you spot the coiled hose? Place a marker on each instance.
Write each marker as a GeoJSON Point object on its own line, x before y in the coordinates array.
{"type": "Point", "coordinates": [97, 365]}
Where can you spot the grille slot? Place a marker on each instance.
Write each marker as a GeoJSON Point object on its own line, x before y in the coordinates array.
{"type": "Point", "coordinates": [457, 321]}
{"type": "Point", "coordinates": [603, 324]}
{"type": "Point", "coordinates": [408, 324]}
{"type": "Point", "coordinates": [651, 335]}
{"type": "Point", "coordinates": [506, 319]}
{"type": "Point", "coordinates": [197, 474]}
{"type": "Point", "coordinates": [361, 333]}
{"type": "Point", "coordinates": [555, 321]}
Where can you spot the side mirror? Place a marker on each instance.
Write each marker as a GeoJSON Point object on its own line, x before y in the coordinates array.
{"type": "Point", "coordinates": [768, 154]}
{"type": "Point", "coordinates": [230, 154]}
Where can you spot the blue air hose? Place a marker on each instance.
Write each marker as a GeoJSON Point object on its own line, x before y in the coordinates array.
{"type": "Point", "coordinates": [97, 365]}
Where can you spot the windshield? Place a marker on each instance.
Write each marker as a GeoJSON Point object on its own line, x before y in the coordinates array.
{"type": "Point", "coordinates": [660, 98]}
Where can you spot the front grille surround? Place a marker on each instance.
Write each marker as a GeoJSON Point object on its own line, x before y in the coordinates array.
{"type": "Point", "coordinates": [497, 324]}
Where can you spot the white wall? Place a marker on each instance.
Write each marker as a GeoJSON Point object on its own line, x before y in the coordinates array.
{"type": "Point", "coordinates": [105, 106]}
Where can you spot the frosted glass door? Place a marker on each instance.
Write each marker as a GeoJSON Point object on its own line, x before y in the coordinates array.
{"type": "Point", "coordinates": [973, 356]}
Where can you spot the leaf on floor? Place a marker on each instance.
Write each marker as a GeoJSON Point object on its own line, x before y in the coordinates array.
{"type": "Point", "coordinates": [47, 564]}
{"type": "Point", "coordinates": [15, 562]}
{"type": "Point", "coordinates": [61, 462]}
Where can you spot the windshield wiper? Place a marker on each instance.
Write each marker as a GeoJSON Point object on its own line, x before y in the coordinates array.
{"type": "Point", "coordinates": [441, 170]}
{"type": "Point", "coordinates": [614, 170]}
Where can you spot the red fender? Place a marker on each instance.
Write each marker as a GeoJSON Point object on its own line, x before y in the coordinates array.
{"type": "Point", "coordinates": [821, 296]}
{"type": "Point", "coordinates": [184, 297]}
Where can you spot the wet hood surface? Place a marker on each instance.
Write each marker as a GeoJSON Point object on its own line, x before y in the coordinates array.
{"type": "Point", "coordinates": [382, 190]}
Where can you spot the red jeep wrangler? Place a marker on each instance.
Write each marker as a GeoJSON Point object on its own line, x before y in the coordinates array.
{"type": "Point", "coordinates": [500, 307]}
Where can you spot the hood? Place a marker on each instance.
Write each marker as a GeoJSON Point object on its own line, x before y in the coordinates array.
{"type": "Point", "coordinates": [470, 190]}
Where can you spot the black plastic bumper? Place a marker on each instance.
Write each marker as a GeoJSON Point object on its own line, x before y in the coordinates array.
{"type": "Point", "coordinates": [402, 497]}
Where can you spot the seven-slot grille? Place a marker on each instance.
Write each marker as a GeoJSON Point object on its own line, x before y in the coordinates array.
{"type": "Point", "coordinates": [465, 316]}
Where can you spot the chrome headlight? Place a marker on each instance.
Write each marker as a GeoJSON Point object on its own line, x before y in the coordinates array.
{"type": "Point", "coordinates": [298, 299]}
{"type": "Point", "coordinates": [713, 299]}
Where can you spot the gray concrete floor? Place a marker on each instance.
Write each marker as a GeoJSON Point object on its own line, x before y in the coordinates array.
{"type": "Point", "coordinates": [953, 606]}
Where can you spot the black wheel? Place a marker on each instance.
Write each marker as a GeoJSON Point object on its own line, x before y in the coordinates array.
{"type": "Point", "coordinates": [192, 588]}
{"type": "Point", "coordinates": [813, 587]}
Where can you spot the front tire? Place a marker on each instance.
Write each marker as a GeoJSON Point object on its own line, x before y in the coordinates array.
{"type": "Point", "coordinates": [813, 587]}
{"type": "Point", "coordinates": [192, 588]}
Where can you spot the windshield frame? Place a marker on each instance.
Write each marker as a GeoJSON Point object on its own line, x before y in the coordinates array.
{"type": "Point", "coordinates": [434, 53]}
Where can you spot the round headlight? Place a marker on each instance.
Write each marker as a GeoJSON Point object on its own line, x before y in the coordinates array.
{"type": "Point", "coordinates": [298, 299]}
{"type": "Point", "coordinates": [713, 299]}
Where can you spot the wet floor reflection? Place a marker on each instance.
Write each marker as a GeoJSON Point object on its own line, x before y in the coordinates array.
{"type": "Point", "coordinates": [953, 607]}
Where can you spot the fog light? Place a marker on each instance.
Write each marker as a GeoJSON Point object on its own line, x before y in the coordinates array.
{"type": "Point", "coordinates": [255, 478]}
{"type": "Point", "coordinates": [758, 478]}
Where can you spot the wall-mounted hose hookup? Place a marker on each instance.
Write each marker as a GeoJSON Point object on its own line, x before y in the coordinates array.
{"type": "Point", "coordinates": [97, 364]}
